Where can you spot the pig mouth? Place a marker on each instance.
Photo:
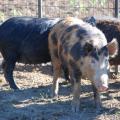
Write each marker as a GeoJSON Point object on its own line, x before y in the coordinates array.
{"type": "Point", "coordinates": [102, 88]}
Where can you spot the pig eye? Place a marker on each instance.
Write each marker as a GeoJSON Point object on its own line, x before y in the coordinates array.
{"type": "Point", "coordinates": [88, 47]}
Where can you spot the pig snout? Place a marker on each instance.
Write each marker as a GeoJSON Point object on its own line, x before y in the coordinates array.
{"type": "Point", "coordinates": [102, 88]}
{"type": "Point", "coordinates": [103, 85]}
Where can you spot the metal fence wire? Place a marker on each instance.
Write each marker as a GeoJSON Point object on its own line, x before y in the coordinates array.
{"type": "Point", "coordinates": [57, 8]}
{"type": "Point", "coordinates": [78, 8]}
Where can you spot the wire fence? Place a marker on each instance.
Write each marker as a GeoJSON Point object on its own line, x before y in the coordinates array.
{"type": "Point", "coordinates": [79, 8]}
{"type": "Point", "coordinates": [57, 8]}
{"type": "Point", "coordinates": [10, 8]}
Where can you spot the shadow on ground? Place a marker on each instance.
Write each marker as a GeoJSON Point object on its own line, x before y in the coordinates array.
{"type": "Point", "coordinates": [36, 104]}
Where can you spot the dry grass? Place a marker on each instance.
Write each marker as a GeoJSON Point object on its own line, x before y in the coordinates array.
{"type": "Point", "coordinates": [33, 101]}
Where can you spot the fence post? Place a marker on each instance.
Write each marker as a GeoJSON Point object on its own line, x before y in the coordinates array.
{"type": "Point", "coordinates": [117, 8]}
{"type": "Point", "coordinates": [40, 8]}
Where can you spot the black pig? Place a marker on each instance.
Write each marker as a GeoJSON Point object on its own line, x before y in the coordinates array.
{"type": "Point", "coordinates": [25, 40]}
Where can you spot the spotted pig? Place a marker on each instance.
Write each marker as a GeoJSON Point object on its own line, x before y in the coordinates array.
{"type": "Point", "coordinates": [83, 50]}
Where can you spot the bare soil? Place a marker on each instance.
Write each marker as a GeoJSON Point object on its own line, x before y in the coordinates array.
{"type": "Point", "coordinates": [33, 101]}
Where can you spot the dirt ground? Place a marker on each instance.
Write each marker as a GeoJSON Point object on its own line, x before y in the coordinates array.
{"type": "Point", "coordinates": [33, 101]}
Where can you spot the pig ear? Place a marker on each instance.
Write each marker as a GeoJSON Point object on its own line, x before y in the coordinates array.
{"type": "Point", "coordinates": [91, 20]}
{"type": "Point", "coordinates": [113, 48]}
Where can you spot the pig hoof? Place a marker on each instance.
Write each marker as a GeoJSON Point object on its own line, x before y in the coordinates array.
{"type": "Point", "coordinates": [99, 110]}
{"type": "Point", "coordinates": [16, 90]}
{"type": "Point", "coordinates": [14, 87]}
{"type": "Point", "coordinates": [55, 98]}
{"type": "Point", "coordinates": [76, 107]}
{"type": "Point", "coordinates": [53, 95]}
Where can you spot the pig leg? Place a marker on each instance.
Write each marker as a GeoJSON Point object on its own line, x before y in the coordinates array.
{"type": "Point", "coordinates": [8, 67]}
{"type": "Point", "coordinates": [76, 96]}
{"type": "Point", "coordinates": [76, 93]}
{"type": "Point", "coordinates": [56, 75]}
{"type": "Point", "coordinates": [66, 74]}
{"type": "Point", "coordinates": [116, 70]}
{"type": "Point", "coordinates": [97, 98]}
